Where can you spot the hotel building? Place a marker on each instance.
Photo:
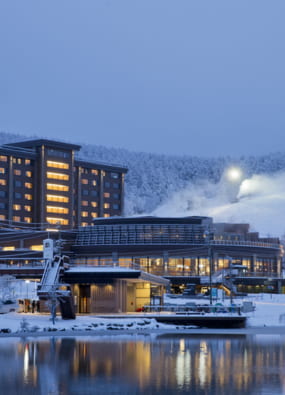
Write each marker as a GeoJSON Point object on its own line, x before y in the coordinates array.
{"type": "Point", "coordinates": [44, 183]}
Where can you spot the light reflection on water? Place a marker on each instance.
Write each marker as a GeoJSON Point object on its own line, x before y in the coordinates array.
{"type": "Point", "coordinates": [149, 364]}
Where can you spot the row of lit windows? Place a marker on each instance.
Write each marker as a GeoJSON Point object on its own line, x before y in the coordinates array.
{"type": "Point", "coordinates": [17, 172]}
{"type": "Point", "coordinates": [57, 210]}
{"type": "Point", "coordinates": [84, 181]}
{"type": "Point", "coordinates": [89, 171]}
{"type": "Point", "coordinates": [57, 221]}
{"type": "Point", "coordinates": [27, 185]}
{"type": "Point", "coordinates": [17, 218]}
{"type": "Point", "coordinates": [86, 203]}
{"type": "Point", "coordinates": [18, 207]}
{"type": "Point", "coordinates": [57, 165]}
{"type": "Point", "coordinates": [57, 198]}
{"type": "Point", "coordinates": [85, 214]}
{"type": "Point", "coordinates": [57, 187]}
{"type": "Point", "coordinates": [57, 176]}
{"type": "Point", "coordinates": [4, 158]}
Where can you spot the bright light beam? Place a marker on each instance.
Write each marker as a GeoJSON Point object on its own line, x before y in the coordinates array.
{"type": "Point", "coordinates": [234, 174]}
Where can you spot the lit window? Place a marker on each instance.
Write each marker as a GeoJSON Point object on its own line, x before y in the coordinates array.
{"type": "Point", "coordinates": [58, 176]}
{"type": "Point", "coordinates": [94, 204]}
{"type": "Point", "coordinates": [17, 172]}
{"type": "Point", "coordinates": [106, 215]}
{"type": "Point", "coordinates": [93, 171]}
{"type": "Point", "coordinates": [28, 208]}
{"type": "Point", "coordinates": [103, 173]}
{"type": "Point", "coordinates": [2, 170]}
{"type": "Point", "coordinates": [3, 182]}
{"type": "Point", "coordinates": [84, 214]}
{"type": "Point", "coordinates": [16, 218]}
{"type": "Point", "coordinates": [28, 173]}
{"type": "Point", "coordinates": [28, 220]}
{"type": "Point", "coordinates": [94, 183]}
{"type": "Point", "coordinates": [60, 221]}
{"type": "Point", "coordinates": [2, 217]}
{"type": "Point", "coordinates": [84, 203]}
{"type": "Point", "coordinates": [28, 185]}
{"type": "Point", "coordinates": [106, 205]}
{"type": "Point", "coordinates": [57, 187]}
{"type": "Point", "coordinates": [84, 181]}
{"type": "Point", "coordinates": [106, 194]}
{"type": "Point", "coordinates": [3, 158]}
{"type": "Point", "coordinates": [28, 196]}
{"type": "Point", "coordinates": [16, 207]}
{"type": "Point", "coordinates": [27, 161]}
{"type": "Point", "coordinates": [8, 248]}
{"type": "Point", "coordinates": [58, 210]}
{"type": "Point", "coordinates": [57, 165]}
{"type": "Point", "coordinates": [57, 198]}
{"type": "Point", "coordinates": [94, 215]}
{"type": "Point", "coordinates": [84, 224]}
{"type": "Point", "coordinates": [38, 247]}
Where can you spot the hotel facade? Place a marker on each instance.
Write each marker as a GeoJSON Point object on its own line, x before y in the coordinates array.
{"type": "Point", "coordinates": [45, 184]}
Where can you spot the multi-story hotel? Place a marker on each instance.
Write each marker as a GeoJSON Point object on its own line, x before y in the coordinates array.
{"type": "Point", "coordinates": [42, 183]}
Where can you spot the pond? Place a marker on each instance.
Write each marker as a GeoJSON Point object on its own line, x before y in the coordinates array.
{"type": "Point", "coordinates": [143, 364]}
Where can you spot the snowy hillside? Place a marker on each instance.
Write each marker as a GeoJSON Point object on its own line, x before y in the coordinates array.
{"type": "Point", "coordinates": [187, 185]}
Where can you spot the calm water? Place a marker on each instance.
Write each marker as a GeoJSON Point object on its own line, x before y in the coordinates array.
{"type": "Point", "coordinates": [164, 364]}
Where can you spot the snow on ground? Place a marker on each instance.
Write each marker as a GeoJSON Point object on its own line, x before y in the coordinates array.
{"type": "Point", "coordinates": [270, 312]}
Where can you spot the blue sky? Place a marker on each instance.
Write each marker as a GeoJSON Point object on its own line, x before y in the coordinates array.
{"type": "Point", "coordinates": [183, 77]}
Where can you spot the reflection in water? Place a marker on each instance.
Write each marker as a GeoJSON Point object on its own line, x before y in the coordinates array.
{"type": "Point", "coordinates": [143, 364]}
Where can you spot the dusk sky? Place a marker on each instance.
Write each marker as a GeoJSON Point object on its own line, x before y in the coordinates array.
{"type": "Point", "coordinates": [202, 78]}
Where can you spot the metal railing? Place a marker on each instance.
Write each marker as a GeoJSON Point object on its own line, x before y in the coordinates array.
{"type": "Point", "coordinates": [194, 309]}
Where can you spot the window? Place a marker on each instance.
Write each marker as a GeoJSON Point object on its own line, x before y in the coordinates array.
{"type": "Point", "coordinates": [85, 192]}
{"type": "Point", "coordinates": [103, 173]}
{"type": "Point", "coordinates": [107, 184]}
{"type": "Point", "coordinates": [106, 195]}
{"type": "Point", "coordinates": [28, 185]}
{"type": "Point", "coordinates": [55, 221]}
{"type": "Point", "coordinates": [116, 195]}
{"type": "Point", "coordinates": [17, 172]}
{"type": "Point", "coordinates": [3, 158]}
{"type": "Point", "coordinates": [57, 198]}
{"type": "Point", "coordinates": [84, 181]}
{"type": "Point", "coordinates": [28, 173]}
{"type": "Point", "coordinates": [106, 215]}
{"type": "Point", "coordinates": [17, 160]}
{"type": "Point", "coordinates": [9, 248]}
{"type": "Point", "coordinates": [94, 204]}
{"type": "Point", "coordinates": [93, 171]}
{"type": "Point", "coordinates": [94, 193]}
{"type": "Point", "coordinates": [114, 175]}
{"type": "Point", "coordinates": [106, 205]}
{"type": "Point", "coordinates": [28, 208]}
{"type": "Point", "coordinates": [84, 214]}
{"type": "Point", "coordinates": [84, 223]}
{"type": "Point", "coordinates": [16, 218]}
{"type": "Point", "coordinates": [94, 183]}
{"type": "Point", "coordinates": [2, 205]}
{"type": "Point", "coordinates": [2, 170]}
{"type": "Point", "coordinates": [57, 210]}
{"type": "Point", "coordinates": [28, 196]}
{"type": "Point", "coordinates": [58, 176]}
{"type": "Point", "coordinates": [57, 187]}
{"type": "Point", "coordinates": [116, 206]}
{"type": "Point", "coordinates": [28, 220]}
{"type": "Point", "coordinates": [84, 203]}
{"type": "Point", "coordinates": [60, 154]}
{"type": "Point", "coordinates": [16, 207]}
{"type": "Point", "coordinates": [94, 215]}
{"type": "Point", "coordinates": [37, 247]}
{"type": "Point", "coordinates": [18, 195]}
{"type": "Point", "coordinates": [2, 194]}
{"type": "Point", "coordinates": [116, 185]}
{"type": "Point", "coordinates": [2, 217]}
{"type": "Point", "coordinates": [3, 182]}
{"type": "Point", "coordinates": [57, 165]}
{"type": "Point", "coordinates": [27, 161]}
{"type": "Point", "coordinates": [18, 183]}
